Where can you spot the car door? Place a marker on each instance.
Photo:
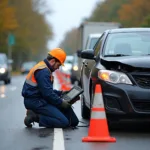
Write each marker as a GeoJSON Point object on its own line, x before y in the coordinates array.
{"type": "Point", "coordinates": [87, 68]}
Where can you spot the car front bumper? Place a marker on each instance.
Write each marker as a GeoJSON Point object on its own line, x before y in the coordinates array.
{"type": "Point", "coordinates": [3, 76]}
{"type": "Point", "coordinates": [127, 100]}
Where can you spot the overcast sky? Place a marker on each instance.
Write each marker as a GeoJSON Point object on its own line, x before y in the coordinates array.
{"type": "Point", "coordinates": [66, 15]}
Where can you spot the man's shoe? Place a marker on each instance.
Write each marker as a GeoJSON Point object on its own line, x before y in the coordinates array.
{"type": "Point", "coordinates": [33, 114]}
{"type": "Point", "coordinates": [28, 121]}
{"type": "Point", "coordinates": [30, 118]}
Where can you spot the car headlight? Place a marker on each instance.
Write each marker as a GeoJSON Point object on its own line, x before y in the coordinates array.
{"type": "Point", "coordinates": [114, 77]}
{"type": "Point", "coordinates": [2, 70]}
{"type": "Point", "coordinates": [75, 68]}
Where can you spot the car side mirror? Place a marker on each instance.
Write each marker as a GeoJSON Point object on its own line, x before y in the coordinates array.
{"type": "Point", "coordinates": [79, 53]}
{"type": "Point", "coordinates": [87, 54]}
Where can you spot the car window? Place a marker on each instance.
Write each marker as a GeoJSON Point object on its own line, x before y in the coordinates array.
{"type": "Point", "coordinates": [133, 44]}
{"type": "Point", "coordinates": [93, 42]}
{"type": "Point", "coordinates": [98, 45]}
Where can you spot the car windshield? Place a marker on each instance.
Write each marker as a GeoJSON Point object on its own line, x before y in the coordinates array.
{"type": "Point", "coordinates": [2, 60]}
{"type": "Point", "coordinates": [127, 44]}
{"type": "Point", "coordinates": [69, 59]}
{"type": "Point", "coordinates": [28, 65]}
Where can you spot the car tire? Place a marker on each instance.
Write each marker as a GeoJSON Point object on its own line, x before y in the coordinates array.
{"type": "Point", "coordinates": [85, 111]}
{"type": "Point", "coordinates": [7, 81]}
{"type": "Point", "coordinates": [72, 80]}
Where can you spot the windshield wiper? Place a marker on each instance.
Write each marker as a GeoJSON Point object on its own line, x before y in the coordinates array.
{"type": "Point", "coordinates": [116, 55]}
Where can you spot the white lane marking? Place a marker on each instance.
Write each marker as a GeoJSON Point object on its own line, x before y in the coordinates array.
{"type": "Point", "coordinates": [58, 143]}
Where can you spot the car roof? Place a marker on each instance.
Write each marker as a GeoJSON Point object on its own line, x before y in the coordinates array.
{"type": "Point", "coordinates": [119, 30]}
{"type": "Point", "coordinates": [3, 54]}
{"type": "Point", "coordinates": [95, 35]}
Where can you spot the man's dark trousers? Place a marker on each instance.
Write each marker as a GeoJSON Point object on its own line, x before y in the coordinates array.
{"type": "Point", "coordinates": [51, 116]}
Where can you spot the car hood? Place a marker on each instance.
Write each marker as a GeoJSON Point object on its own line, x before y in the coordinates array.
{"type": "Point", "coordinates": [128, 61]}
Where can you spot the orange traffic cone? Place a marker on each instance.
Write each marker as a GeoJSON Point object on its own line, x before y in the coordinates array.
{"type": "Point", "coordinates": [65, 84]}
{"type": "Point", "coordinates": [63, 87]}
{"type": "Point", "coordinates": [98, 130]}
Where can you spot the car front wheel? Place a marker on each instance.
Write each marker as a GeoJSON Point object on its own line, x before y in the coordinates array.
{"type": "Point", "coordinates": [7, 81]}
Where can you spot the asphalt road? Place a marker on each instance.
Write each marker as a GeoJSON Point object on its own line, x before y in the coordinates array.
{"type": "Point", "coordinates": [15, 136]}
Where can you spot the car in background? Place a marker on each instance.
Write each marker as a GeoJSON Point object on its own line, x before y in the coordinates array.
{"type": "Point", "coordinates": [74, 69]}
{"type": "Point", "coordinates": [120, 63]}
{"type": "Point", "coordinates": [5, 69]}
{"type": "Point", "coordinates": [77, 61]}
{"type": "Point", "coordinates": [26, 66]}
{"type": "Point", "coordinates": [66, 69]}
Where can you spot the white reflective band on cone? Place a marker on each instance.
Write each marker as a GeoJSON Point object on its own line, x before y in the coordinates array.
{"type": "Point", "coordinates": [98, 115]}
{"type": "Point", "coordinates": [98, 101]}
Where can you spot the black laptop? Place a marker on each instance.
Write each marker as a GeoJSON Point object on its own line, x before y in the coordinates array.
{"type": "Point", "coordinates": [72, 94]}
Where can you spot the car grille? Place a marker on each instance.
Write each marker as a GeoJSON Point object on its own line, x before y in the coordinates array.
{"type": "Point", "coordinates": [142, 105]}
{"type": "Point", "coordinates": [142, 80]}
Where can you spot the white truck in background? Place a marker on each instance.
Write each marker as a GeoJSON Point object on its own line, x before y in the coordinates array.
{"type": "Point", "coordinates": [89, 33]}
{"type": "Point", "coordinates": [88, 28]}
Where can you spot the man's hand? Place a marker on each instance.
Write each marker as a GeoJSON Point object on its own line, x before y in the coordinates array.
{"type": "Point", "coordinates": [65, 104]}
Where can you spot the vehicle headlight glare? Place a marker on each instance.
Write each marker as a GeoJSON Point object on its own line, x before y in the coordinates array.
{"type": "Point", "coordinates": [2, 70]}
{"type": "Point", "coordinates": [75, 68]}
{"type": "Point", "coordinates": [114, 77]}
{"type": "Point", "coordinates": [104, 76]}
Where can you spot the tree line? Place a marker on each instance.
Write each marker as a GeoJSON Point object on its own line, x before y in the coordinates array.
{"type": "Point", "coordinates": [25, 20]}
{"type": "Point", "coordinates": [130, 13]}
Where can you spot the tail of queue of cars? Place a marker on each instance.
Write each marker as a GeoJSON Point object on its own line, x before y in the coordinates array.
{"type": "Point", "coordinates": [26, 66]}
{"type": "Point", "coordinates": [120, 63]}
{"type": "Point", "coordinates": [5, 68]}
{"type": "Point", "coordinates": [66, 69]}
{"type": "Point", "coordinates": [76, 63]}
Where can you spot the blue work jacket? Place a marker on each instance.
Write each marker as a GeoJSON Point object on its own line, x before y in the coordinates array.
{"type": "Point", "coordinates": [44, 89]}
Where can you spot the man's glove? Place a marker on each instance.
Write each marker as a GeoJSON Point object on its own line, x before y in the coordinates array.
{"type": "Point", "coordinates": [64, 92]}
{"type": "Point", "coordinates": [65, 104]}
